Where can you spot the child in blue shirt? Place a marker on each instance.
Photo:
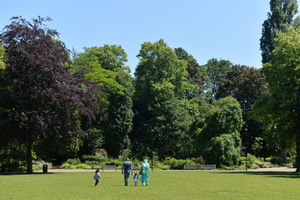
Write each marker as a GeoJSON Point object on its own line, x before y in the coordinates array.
{"type": "Point", "coordinates": [97, 176]}
{"type": "Point", "coordinates": [136, 179]}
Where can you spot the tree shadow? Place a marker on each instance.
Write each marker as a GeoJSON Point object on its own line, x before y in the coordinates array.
{"type": "Point", "coordinates": [271, 174]}
{"type": "Point", "coordinates": [24, 173]}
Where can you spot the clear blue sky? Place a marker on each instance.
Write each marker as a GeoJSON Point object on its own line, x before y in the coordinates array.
{"type": "Point", "coordinates": [227, 29]}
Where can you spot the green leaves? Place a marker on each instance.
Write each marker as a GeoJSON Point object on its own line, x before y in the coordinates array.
{"type": "Point", "coordinates": [216, 69]}
{"type": "Point", "coordinates": [279, 110]}
{"type": "Point", "coordinates": [105, 66]}
{"type": "Point", "coordinates": [219, 140]}
{"type": "Point", "coordinates": [280, 18]}
{"type": "Point", "coordinates": [163, 116]}
{"type": "Point", "coordinates": [3, 57]}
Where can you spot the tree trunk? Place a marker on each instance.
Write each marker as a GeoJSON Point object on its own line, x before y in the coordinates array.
{"type": "Point", "coordinates": [29, 157]}
{"type": "Point", "coordinates": [298, 151]}
{"type": "Point", "coordinates": [283, 155]}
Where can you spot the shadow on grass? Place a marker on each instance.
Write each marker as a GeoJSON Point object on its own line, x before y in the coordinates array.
{"type": "Point", "coordinates": [24, 173]}
{"type": "Point", "coordinates": [271, 174]}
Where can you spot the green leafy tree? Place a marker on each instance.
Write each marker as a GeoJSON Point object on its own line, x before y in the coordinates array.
{"type": "Point", "coordinates": [218, 141]}
{"type": "Point", "coordinates": [257, 145]}
{"type": "Point", "coordinates": [162, 117]}
{"type": "Point", "coordinates": [282, 104]}
{"type": "Point", "coordinates": [216, 69]}
{"type": "Point", "coordinates": [120, 115]}
{"type": "Point", "coordinates": [246, 85]}
{"type": "Point", "coordinates": [105, 66]}
{"type": "Point", "coordinates": [92, 140]}
{"type": "Point", "coordinates": [196, 73]}
{"type": "Point", "coordinates": [276, 124]}
{"type": "Point", "coordinates": [40, 99]}
{"type": "Point", "coordinates": [280, 18]}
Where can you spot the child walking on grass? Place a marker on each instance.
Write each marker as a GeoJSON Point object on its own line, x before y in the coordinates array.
{"type": "Point", "coordinates": [136, 179]}
{"type": "Point", "coordinates": [97, 176]}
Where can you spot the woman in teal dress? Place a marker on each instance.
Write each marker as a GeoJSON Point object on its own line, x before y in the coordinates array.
{"type": "Point", "coordinates": [144, 172]}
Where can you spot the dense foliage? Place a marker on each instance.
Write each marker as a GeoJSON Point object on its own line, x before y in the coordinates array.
{"type": "Point", "coordinates": [280, 18]}
{"type": "Point", "coordinates": [40, 99]}
{"type": "Point", "coordinates": [90, 111]}
{"type": "Point", "coordinates": [162, 114]}
{"type": "Point", "coordinates": [246, 85]}
{"type": "Point", "coordinates": [219, 139]}
{"type": "Point", "coordinates": [105, 66]}
{"type": "Point", "coordinates": [279, 110]}
{"type": "Point", "coordinates": [216, 69]}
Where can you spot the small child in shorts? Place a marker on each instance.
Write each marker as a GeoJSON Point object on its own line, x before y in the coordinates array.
{"type": "Point", "coordinates": [136, 179]}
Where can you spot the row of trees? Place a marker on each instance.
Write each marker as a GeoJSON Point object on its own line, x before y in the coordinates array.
{"type": "Point", "coordinates": [56, 104]}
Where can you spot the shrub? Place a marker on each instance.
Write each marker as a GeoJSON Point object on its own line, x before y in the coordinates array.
{"type": "Point", "coordinates": [101, 152]}
{"type": "Point", "coordinates": [200, 160]}
{"type": "Point", "coordinates": [116, 162]}
{"type": "Point", "coordinates": [82, 166]}
{"type": "Point", "coordinates": [67, 166]}
{"type": "Point", "coordinates": [73, 161]}
{"type": "Point", "coordinates": [38, 164]}
{"type": "Point", "coordinates": [98, 158]}
{"type": "Point", "coordinates": [167, 161]}
{"type": "Point", "coordinates": [276, 160]}
{"type": "Point", "coordinates": [179, 164]}
{"type": "Point", "coordinates": [125, 154]}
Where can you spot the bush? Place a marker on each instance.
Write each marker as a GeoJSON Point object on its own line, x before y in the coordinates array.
{"type": "Point", "coordinates": [38, 164]}
{"type": "Point", "coordinates": [253, 162]}
{"type": "Point", "coordinates": [179, 164]}
{"type": "Point", "coordinates": [101, 152]}
{"type": "Point", "coordinates": [114, 162]}
{"type": "Point", "coordinates": [276, 160]}
{"type": "Point", "coordinates": [83, 166]}
{"type": "Point", "coordinates": [98, 158]}
{"type": "Point", "coordinates": [250, 161]}
{"type": "Point", "coordinates": [67, 166]}
{"type": "Point", "coordinates": [12, 159]}
{"type": "Point", "coordinates": [73, 161]}
{"type": "Point", "coordinates": [167, 161]}
{"type": "Point", "coordinates": [125, 154]}
{"type": "Point", "coordinates": [70, 163]}
{"type": "Point", "coordinates": [200, 160]}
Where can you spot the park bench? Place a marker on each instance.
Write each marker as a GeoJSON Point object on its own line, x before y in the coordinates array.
{"type": "Point", "coordinates": [190, 167]}
{"type": "Point", "coordinates": [109, 167]}
{"type": "Point", "coordinates": [212, 166]}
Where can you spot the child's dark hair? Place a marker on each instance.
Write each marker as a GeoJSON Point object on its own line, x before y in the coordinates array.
{"type": "Point", "coordinates": [135, 174]}
{"type": "Point", "coordinates": [97, 170]}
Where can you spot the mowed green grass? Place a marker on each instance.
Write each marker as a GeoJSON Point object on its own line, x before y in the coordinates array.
{"type": "Point", "coordinates": [163, 185]}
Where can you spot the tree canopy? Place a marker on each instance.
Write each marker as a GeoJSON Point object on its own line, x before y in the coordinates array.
{"type": "Point", "coordinates": [216, 69]}
{"type": "Point", "coordinates": [40, 99]}
{"type": "Point", "coordinates": [105, 66]}
{"type": "Point", "coordinates": [279, 110]}
{"type": "Point", "coordinates": [246, 85]}
{"type": "Point", "coordinates": [280, 18]}
{"type": "Point", "coordinates": [161, 118]}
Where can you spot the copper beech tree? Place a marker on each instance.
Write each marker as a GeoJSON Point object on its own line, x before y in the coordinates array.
{"type": "Point", "coordinates": [40, 99]}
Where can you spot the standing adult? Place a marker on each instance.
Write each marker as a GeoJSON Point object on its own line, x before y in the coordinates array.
{"type": "Point", "coordinates": [126, 168]}
{"type": "Point", "coordinates": [144, 172]}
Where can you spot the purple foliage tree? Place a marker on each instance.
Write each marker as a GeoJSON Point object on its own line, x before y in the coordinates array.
{"type": "Point", "coordinates": [40, 98]}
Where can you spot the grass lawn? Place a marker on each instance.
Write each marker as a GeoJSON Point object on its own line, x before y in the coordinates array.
{"type": "Point", "coordinates": [163, 185]}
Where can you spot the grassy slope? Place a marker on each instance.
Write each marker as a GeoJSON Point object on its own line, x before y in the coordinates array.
{"type": "Point", "coordinates": [163, 185]}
